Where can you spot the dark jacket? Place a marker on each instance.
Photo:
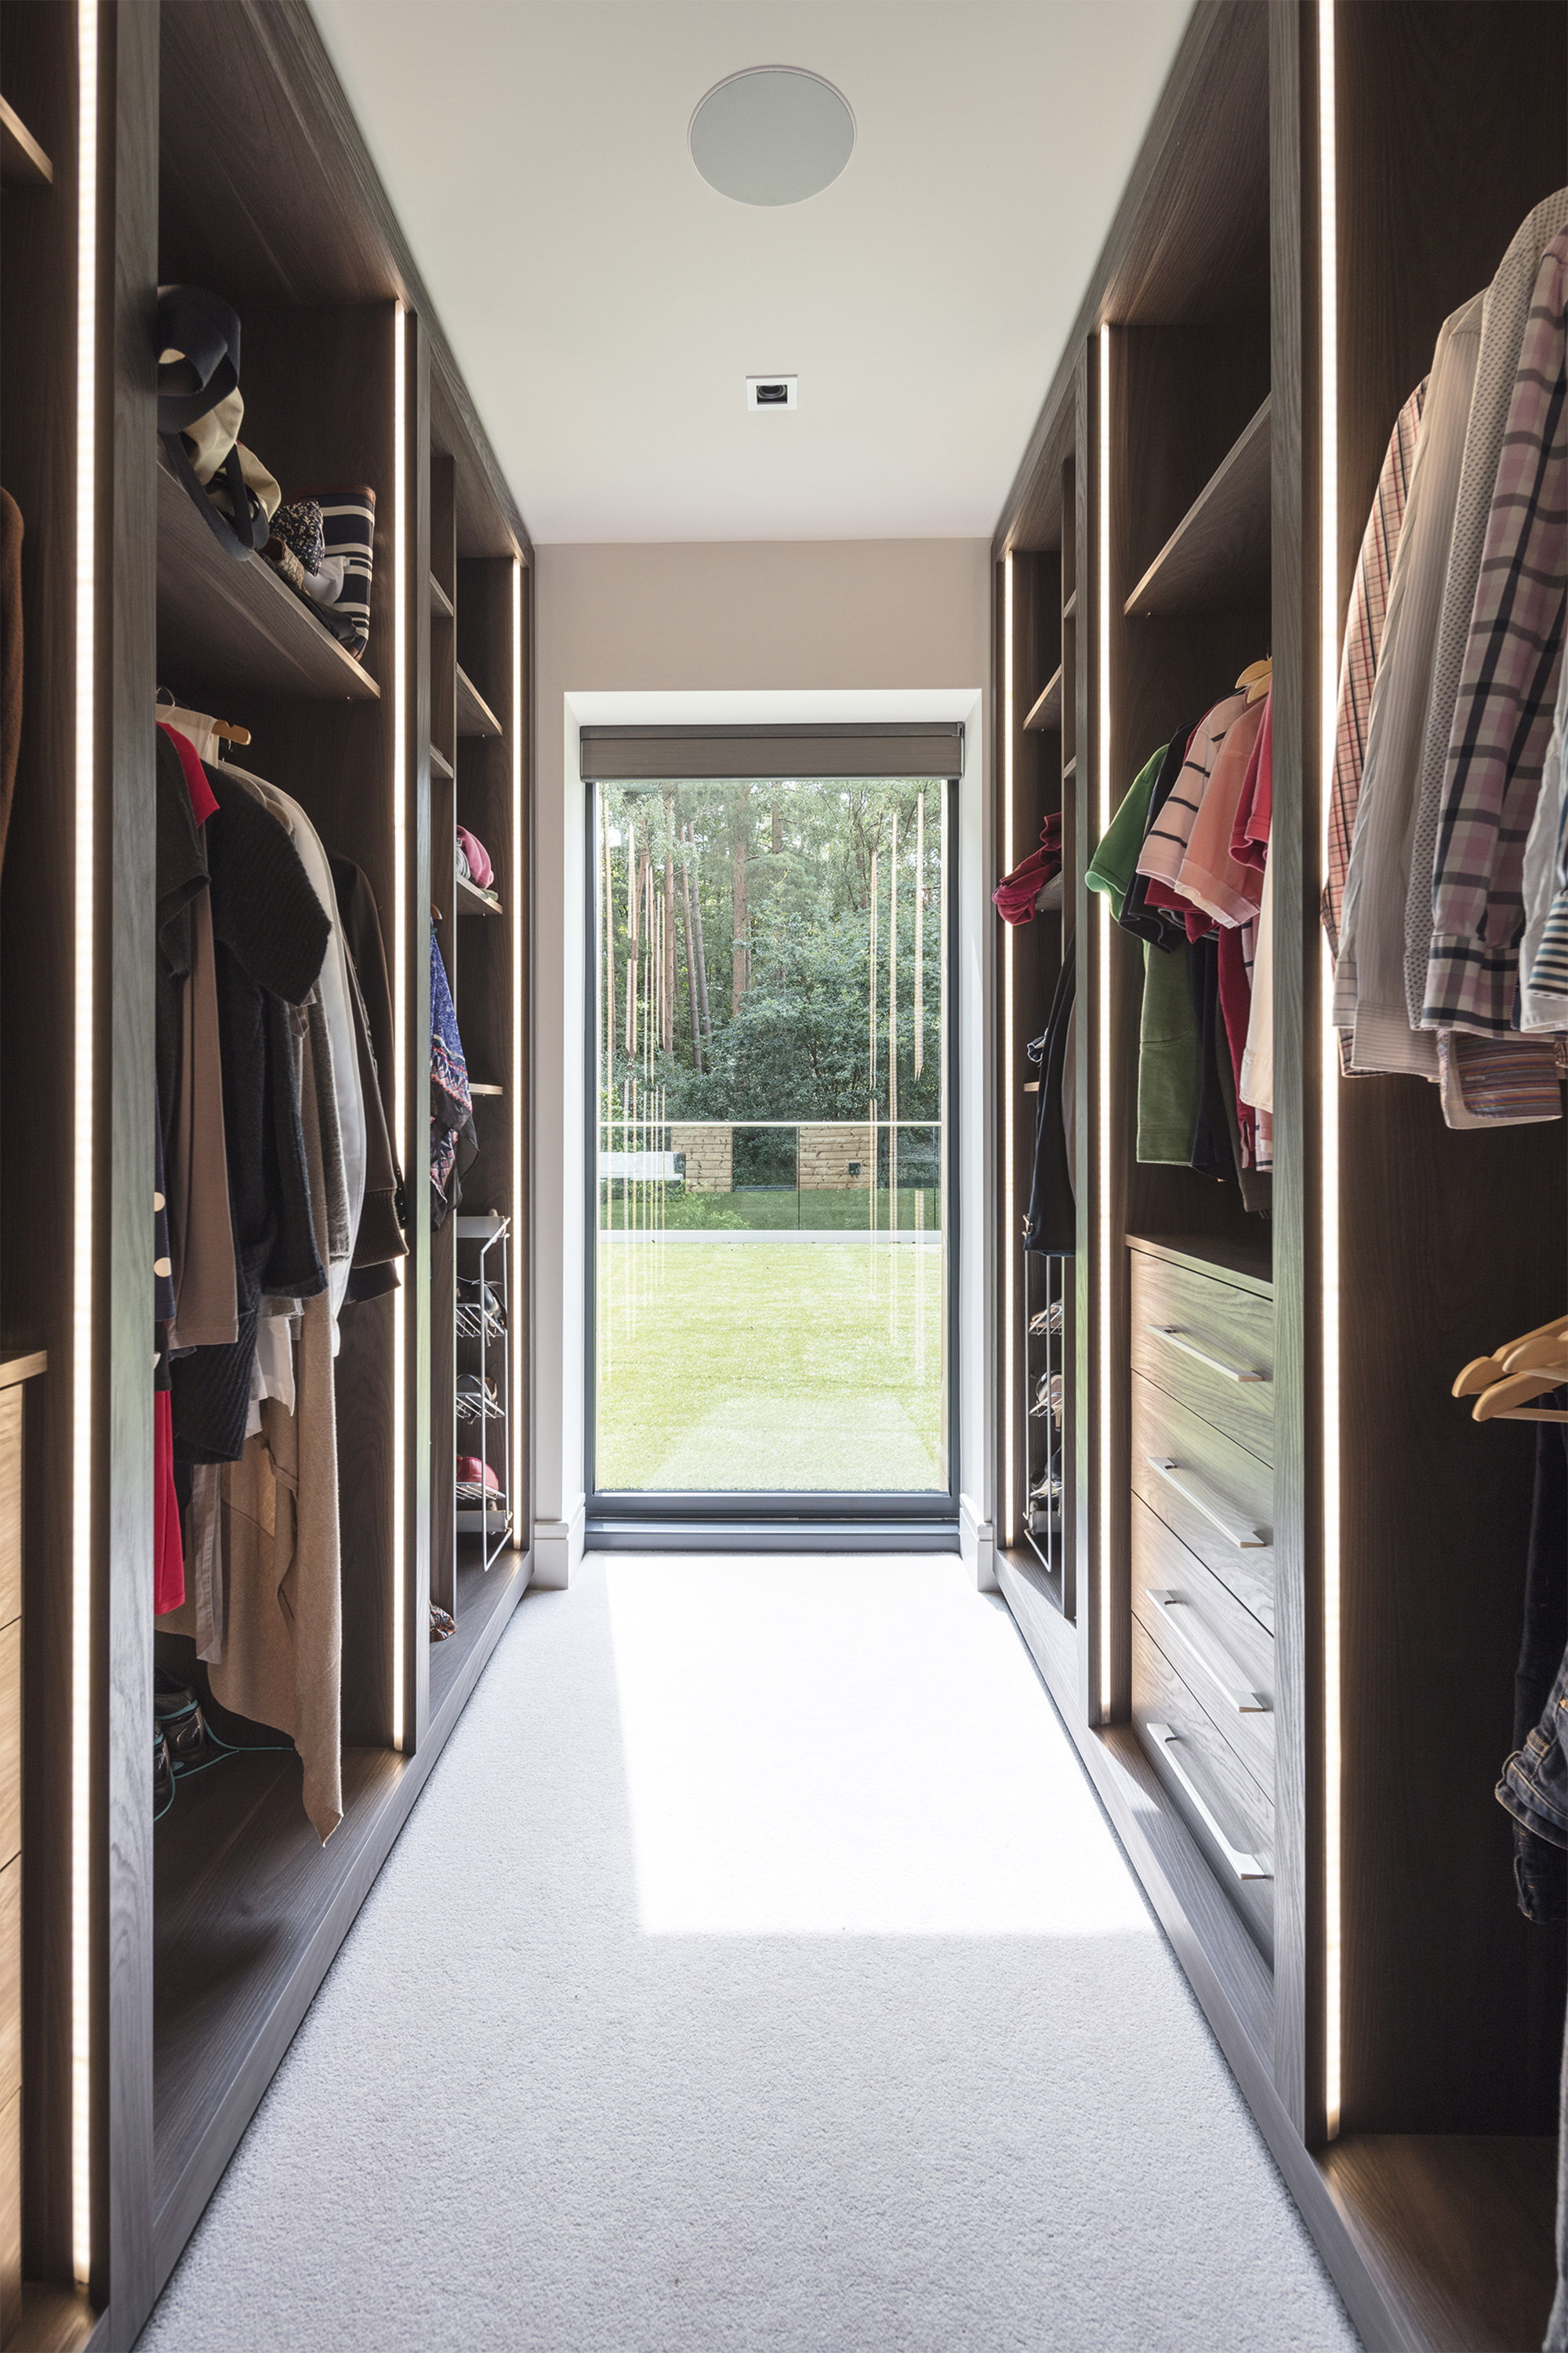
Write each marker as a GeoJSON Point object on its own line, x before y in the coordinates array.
{"type": "Point", "coordinates": [381, 1238]}
{"type": "Point", "coordinates": [270, 934]}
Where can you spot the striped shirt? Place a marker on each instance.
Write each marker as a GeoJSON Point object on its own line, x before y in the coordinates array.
{"type": "Point", "coordinates": [1363, 641]}
{"type": "Point", "coordinates": [1502, 720]}
{"type": "Point", "coordinates": [1165, 845]}
{"type": "Point", "coordinates": [1504, 313]}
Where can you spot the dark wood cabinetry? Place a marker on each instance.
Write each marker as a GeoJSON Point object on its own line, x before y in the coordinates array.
{"type": "Point", "coordinates": [1341, 1544]}
{"type": "Point", "coordinates": [161, 1970]}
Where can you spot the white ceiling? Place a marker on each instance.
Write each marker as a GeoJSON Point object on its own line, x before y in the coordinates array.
{"type": "Point", "coordinates": [606, 305]}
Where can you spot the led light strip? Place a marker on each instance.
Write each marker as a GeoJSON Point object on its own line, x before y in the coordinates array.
{"type": "Point", "coordinates": [1102, 1039]}
{"type": "Point", "coordinates": [518, 1533]}
{"type": "Point", "coordinates": [400, 993]}
{"type": "Point", "coordinates": [83, 1075]}
{"type": "Point", "coordinates": [1010, 1407]}
{"type": "Point", "coordinates": [1327, 1065]}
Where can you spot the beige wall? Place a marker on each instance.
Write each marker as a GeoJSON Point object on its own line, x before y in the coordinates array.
{"type": "Point", "coordinates": [747, 632]}
{"type": "Point", "coordinates": [740, 614]}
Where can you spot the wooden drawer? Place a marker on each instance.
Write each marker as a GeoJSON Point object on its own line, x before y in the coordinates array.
{"type": "Point", "coordinates": [10, 1741]}
{"type": "Point", "coordinates": [1215, 1645]}
{"type": "Point", "coordinates": [1229, 1816]}
{"type": "Point", "coordinates": [10, 1980]}
{"type": "Point", "coordinates": [10, 1504]}
{"type": "Point", "coordinates": [1192, 1334]}
{"type": "Point", "coordinates": [1215, 1495]}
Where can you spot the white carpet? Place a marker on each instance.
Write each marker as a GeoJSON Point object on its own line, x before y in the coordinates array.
{"type": "Point", "coordinates": [756, 1975]}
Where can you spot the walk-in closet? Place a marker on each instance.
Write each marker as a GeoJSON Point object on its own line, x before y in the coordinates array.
{"type": "Point", "coordinates": [349, 694]}
{"type": "Point", "coordinates": [1286, 1631]}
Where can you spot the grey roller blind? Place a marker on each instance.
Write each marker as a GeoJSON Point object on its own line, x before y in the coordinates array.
{"type": "Point", "coordinates": [661, 754]}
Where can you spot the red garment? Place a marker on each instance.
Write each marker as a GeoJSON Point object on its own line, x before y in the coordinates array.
{"type": "Point", "coordinates": [202, 804]}
{"type": "Point", "coordinates": [1014, 897]}
{"type": "Point", "coordinates": [1235, 1005]}
{"type": "Point", "coordinates": [168, 1550]}
{"type": "Point", "coordinates": [1249, 834]}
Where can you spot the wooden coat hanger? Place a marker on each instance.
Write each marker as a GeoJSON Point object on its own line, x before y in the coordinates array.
{"type": "Point", "coordinates": [1257, 678]}
{"type": "Point", "coordinates": [1482, 1372]}
{"type": "Point", "coordinates": [1504, 1383]}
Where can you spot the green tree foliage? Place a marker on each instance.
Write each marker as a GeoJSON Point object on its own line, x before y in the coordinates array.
{"type": "Point", "coordinates": [797, 1045]}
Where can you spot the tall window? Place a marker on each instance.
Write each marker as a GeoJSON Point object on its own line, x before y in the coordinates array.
{"type": "Point", "coordinates": [772, 1220]}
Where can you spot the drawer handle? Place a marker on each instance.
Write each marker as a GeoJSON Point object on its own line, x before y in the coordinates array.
{"type": "Point", "coordinates": [1178, 1339]}
{"type": "Point", "coordinates": [1245, 1866]}
{"type": "Point", "coordinates": [1175, 1614]}
{"type": "Point", "coordinates": [1245, 1539]}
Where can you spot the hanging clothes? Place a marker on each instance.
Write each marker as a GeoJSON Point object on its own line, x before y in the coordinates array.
{"type": "Point", "coordinates": [1225, 889]}
{"type": "Point", "coordinates": [282, 1651]}
{"type": "Point", "coordinates": [168, 1552]}
{"type": "Point", "coordinates": [1368, 1003]}
{"type": "Point", "coordinates": [381, 1238]}
{"type": "Point", "coordinates": [1051, 1227]}
{"type": "Point", "coordinates": [1160, 925]}
{"type": "Point", "coordinates": [453, 1144]}
{"type": "Point", "coordinates": [1171, 832]}
{"type": "Point", "coordinates": [271, 935]}
{"type": "Point", "coordinates": [1505, 311]}
{"type": "Point", "coordinates": [1363, 639]}
{"type": "Point", "coordinates": [1170, 1067]}
{"type": "Point", "coordinates": [1508, 688]}
{"type": "Point", "coordinates": [1115, 862]}
{"type": "Point", "coordinates": [201, 1238]}
{"type": "Point", "coordinates": [337, 1054]}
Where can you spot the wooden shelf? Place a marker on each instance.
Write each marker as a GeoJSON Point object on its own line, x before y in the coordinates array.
{"type": "Point", "coordinates": [475, 716]}
{"type": "Point", "coordinates": [1069, 610]}
{"type": "Point", "coordinates": [472, 901]}
{"type": "Point", "coordinates": [222, 622]}
{"type": "Point", "coordinates": [1218, 553]}
{"type": "Point", "coordinates": [441, 604]}
{"type": "Point", "coordinates": [1047, 710]}
{"type": "Point", "coordinates": [23, 162]}
{"type": "Point", "coordinates": [441, 764]}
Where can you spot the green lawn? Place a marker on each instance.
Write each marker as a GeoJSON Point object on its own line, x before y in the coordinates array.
{"type": "Point", "coordinates": [748, 1366]}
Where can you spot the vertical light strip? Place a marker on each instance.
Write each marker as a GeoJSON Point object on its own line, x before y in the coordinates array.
{"type": "Point", "coordinates": [82, 1191]}
{"type": "Point", "coordinates": [400, 976]}
{"type": "Point", "coordinates": [1108, 1252]}
{"type": "Point", "coordinates": [518, 872]}
{"type": "Point", "coordinates": [1009, 1083]}
{"type": "Point", "coordinates": [1327, 1059]}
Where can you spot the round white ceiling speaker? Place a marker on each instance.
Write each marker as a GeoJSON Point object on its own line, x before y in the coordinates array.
{"type": "Point", "coordinates": [774, 135]}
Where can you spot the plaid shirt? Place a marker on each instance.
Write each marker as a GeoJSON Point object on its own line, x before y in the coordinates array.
{"type": "Point", "coordinates": [1502, 722]}
{"type": "Point", "coordinates": [1364, 642]}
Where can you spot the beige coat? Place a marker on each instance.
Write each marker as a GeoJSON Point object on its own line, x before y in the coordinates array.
{"type": "Point", "coordinates": [282, 1661]}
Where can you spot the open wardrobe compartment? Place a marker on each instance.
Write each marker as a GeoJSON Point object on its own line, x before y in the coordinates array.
{"type": "Point", "coordinates": [265, 1367]}
{"type": "Point", "coordinates": [1304, 1167]}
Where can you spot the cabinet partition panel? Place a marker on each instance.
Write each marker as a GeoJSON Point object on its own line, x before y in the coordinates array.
{"type": "Point", "coordinates": [165, 1967]}
{"type": "Point", "coordinates": [1298, 1564]}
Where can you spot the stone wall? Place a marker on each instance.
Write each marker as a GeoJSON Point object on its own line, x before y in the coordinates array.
{"type": "Point", "coordinates": [710, 1156]}
{"type": "Point", "coordinates": [828, 1156]}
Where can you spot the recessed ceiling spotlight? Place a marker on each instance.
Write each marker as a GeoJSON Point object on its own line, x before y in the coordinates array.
{"type": "Point", "coordinates": [772, 392]}
{"type": "Point", "coordinates": [772, 136]}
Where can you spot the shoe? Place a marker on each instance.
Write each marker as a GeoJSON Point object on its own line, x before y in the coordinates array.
{"type": "Point", "coordinates": [163, 1777]}
{"type": "Point", "coordinates": [177, 1716]}
{"type": "Point", "coordinates": [442, 1626]}
{"type": "Point", "coordinates": [476, 1397]}
{"type": "Point", "coordinates": [472, 1472]}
